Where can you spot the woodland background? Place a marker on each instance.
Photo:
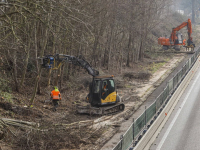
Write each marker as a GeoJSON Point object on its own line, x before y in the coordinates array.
{"type": "Point", "coordinates": [109, 34]}
{"type": "Point", "coordinates": [112, 35]}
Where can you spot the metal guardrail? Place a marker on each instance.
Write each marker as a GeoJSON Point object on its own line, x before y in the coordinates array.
{"type": "Point", "coordinates": [146, 119]}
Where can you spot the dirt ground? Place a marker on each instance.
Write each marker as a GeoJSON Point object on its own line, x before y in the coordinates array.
{"type": "Point", "coordinates": [65, 129]}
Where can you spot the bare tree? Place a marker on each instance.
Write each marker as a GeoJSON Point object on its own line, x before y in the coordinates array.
{"type": "Point", "coordinates": [109, 33]}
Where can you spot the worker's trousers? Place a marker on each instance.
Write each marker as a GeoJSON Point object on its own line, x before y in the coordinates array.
{"type": "Point", "coordinates": [55, 103]}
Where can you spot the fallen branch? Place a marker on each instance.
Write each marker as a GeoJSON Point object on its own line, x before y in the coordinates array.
{"type": "Point", "coordinates": [104, 118]}
{"type": "Point", "coordinates": [84, 123]}
{"type": "Point", "coordinates": [6, 126]}
{"type": "Point", "coordinates": [18, 123]}
{"type": "Point", "coordinates": [77, 124]}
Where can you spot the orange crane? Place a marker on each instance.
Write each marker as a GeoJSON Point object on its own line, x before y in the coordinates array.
{"type": "Point", "coordinates": [176, 39]}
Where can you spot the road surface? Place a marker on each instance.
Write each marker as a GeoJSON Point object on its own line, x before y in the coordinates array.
{"type": "Point", "coordinates": [182, 130]}
{"type": "Point", "coordinates": [126, 124]}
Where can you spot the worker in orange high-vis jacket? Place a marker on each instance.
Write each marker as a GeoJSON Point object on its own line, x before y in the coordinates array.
{"type": "Point", "coordinates": [56, 96]}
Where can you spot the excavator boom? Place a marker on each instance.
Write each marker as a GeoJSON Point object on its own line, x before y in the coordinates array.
{"type": "Point", "coordinates": [175, 40]}
{"type": "Point", "coordinates": [55, 61]}
{"type": "Point", "coordinates": [184, 24]}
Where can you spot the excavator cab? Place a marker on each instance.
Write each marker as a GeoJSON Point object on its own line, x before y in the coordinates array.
{"type": "Point", "coordinates": [179, 39]}
{"type": "Point", "coordinates": [102, 91]}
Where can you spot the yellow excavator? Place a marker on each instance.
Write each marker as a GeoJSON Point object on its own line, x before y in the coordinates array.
{"type": "Point", "coordinates": [102, 98]}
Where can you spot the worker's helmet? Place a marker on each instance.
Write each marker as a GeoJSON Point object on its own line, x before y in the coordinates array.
{"type": "Point", "coordinates": [56, 88]}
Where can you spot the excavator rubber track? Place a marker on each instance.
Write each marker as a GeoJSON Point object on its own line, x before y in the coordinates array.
{"type": "Point", "coordinates": [119, 107]}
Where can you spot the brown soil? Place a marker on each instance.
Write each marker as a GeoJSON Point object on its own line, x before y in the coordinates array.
{"type": "Point", "coordinates": [65, 129]}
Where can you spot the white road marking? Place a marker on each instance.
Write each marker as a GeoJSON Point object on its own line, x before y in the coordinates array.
{"type": "Point", "coordinates": [176, 116]}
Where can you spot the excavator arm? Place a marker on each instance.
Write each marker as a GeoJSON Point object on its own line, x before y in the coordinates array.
{"type": "Point", "coordinates": [55, 61]}
{"type": "Point", "coordinates": [189, 41]}
{"type": "Point", "coordinates": [174, 30]}
{"type": "Point", "coordinates": [189, 28]}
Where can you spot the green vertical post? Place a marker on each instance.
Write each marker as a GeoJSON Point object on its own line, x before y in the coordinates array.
{"type": "Point", "coordinates": [121, 138]}
{"type": "Point", "coordinates": [133, 129]}
{"type": "Point", "coordinates": [145, 116]}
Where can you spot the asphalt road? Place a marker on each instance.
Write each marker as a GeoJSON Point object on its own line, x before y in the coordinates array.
{"type": "Point", "coordinates": [110, 144]}
{"type": "Point", "coordinates": [182, 130]}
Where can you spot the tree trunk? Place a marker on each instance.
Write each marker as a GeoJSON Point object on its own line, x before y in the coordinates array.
{"type": "Point", "coordinates": [35, 87]}
{"type": "Point", "coordinates": [141, 51]}
{"type": "Point", "coordinates": [36, 46]}
{"type": "Point", "coordinates": [25, 65]}
{"type": "Point", "coordinates": [15, 70]}
{"type": "Point", "coordinates": [61, 76]}
{"type": "Point", "coordinates": [41, 55]}
{"type": "Point", "coordinates": [128, 50]}
{"type": "Point", "coordinates": [58, 76]}
{"type": "Point", "coordinates": [193, 11]}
